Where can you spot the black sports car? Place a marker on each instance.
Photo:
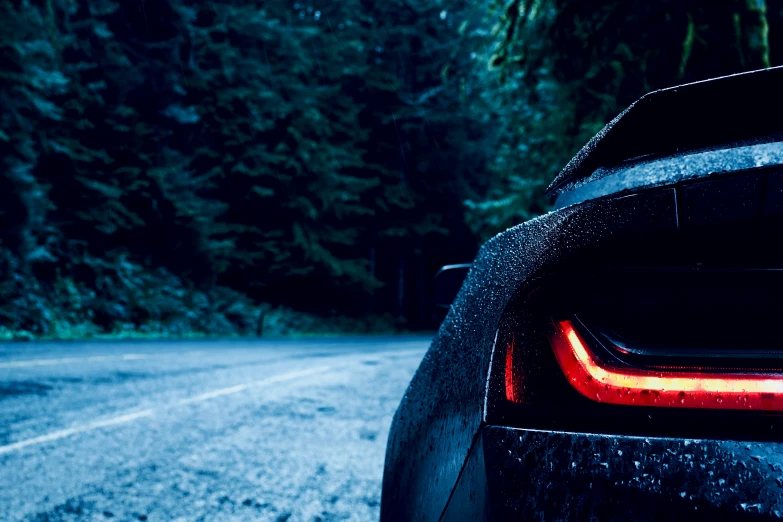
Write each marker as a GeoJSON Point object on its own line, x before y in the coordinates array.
{"type": "Point", "coordinates": [621, 357]}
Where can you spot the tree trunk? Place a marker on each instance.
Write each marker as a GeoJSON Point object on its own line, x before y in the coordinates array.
{"type": "Point", "coordinates": [421, 283]}
{"type": "Point", "coordinates": [400, 305]}
{"type": "Point", "coordinates": [373, 245]}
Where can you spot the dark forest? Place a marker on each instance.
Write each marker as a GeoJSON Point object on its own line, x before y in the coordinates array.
{"type": "Point", "coordinates": [223, 167]}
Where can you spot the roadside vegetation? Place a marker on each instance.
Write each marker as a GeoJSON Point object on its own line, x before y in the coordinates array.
{"type": "Point", "coordinates": [224, 167]}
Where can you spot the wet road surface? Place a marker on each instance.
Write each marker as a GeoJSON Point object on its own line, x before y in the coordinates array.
{"type": "Point", "coordinates": [279, 430]}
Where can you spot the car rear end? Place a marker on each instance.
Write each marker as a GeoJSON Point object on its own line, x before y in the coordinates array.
{"type": "Point", "coordinates": [642, 378]}
{"type": "Point", "coordinates": [619, 358]}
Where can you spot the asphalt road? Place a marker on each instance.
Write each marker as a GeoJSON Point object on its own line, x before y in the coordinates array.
{"type": "Point", "coordinates": [203, 430]}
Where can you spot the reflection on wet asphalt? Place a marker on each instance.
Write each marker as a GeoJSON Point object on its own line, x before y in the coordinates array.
{"type": "Point", "coordinates": [201, 430]}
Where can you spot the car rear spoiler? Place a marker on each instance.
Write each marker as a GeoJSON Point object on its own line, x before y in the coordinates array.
{"type": "Point", "coordinates": [738, 108]}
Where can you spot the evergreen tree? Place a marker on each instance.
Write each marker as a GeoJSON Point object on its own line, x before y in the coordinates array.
{"type": "Point", "coordinates": [428, 144]}
{"type": "Point", "coordinates": [182, 165]}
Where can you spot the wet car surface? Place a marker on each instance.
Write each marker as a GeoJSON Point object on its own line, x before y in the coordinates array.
{"type": "Point", "coordinates": [494, 426]}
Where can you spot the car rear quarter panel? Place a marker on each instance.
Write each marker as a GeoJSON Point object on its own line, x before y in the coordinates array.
{"type": "Point", "coordinates": [442, 411]}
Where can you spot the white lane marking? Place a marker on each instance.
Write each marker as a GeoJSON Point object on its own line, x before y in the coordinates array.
{"type": "Point", "coordinates": [137, 356]}
{"type": "Point", "coordinates": [74, 430]}
{"type": "Point", "coordinates": [69, 360]}
{"type": "Point", "coordinates": [89, 358]}
{"type": "Point", "coordinates": [133, 357]}
{"type": "Point", "coordinates": [128, 417]}
{"type": "Point", "coordinates": [263, 382]}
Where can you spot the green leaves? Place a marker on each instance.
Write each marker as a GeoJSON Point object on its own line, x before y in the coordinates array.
{"type": "Point", "coordinates": [151, 153]}
{"type": "Point", "coordinates": [584, 62]}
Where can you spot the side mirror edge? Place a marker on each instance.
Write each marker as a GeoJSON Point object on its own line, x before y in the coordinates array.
{"type": "Point", "coordinates": [447, 282]}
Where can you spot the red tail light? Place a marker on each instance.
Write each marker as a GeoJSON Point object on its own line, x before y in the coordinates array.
{"type": "Point", "coordinates": [691, 388]}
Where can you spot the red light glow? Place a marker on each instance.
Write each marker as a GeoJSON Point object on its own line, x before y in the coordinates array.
{"type": "Point", "coordinates": [682, 389]}
{"type": "Point", "coordinates": [510, 385]}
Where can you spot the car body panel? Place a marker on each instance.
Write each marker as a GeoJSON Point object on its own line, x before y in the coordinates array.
{"type": "Point", "coordinates": [645, 173]}
{"type": "Point", "coordinates": [520, 474]}
{"type": "Point", "coordinates": [471, 498]}
{"type": "Point", "coordinates": [443, 408]}
{"type": "Point", "coordinates": [686, 117]}
{"type": "Point", "coordinates": [548, 475]}
{"type": "Point", "coordinates": [444, 463]}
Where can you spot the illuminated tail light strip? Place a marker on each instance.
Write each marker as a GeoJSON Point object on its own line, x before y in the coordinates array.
{"type": "Point", "coordinates": [639, 387]}
{"type": "Point", "coordinates": [511, 386]}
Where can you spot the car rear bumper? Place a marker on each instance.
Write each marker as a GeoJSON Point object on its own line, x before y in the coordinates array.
{"type": "Point", "coordinates": [519, 474]}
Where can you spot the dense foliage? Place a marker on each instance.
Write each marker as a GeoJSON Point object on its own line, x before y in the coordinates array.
{"type": "Point", "coordinates": [182, 166]}
{"type": "Point", "coordinates": [568, 67]}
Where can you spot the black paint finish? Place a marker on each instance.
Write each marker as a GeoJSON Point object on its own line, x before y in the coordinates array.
{"type": "Point", "coordinates": [470, 501]}
{"type": "Point", "coordinates": [442, 410]}
{"type": "Point", "coordinates": [729, 109]}
{"type": "Point", "coordinates": [539, 475]}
